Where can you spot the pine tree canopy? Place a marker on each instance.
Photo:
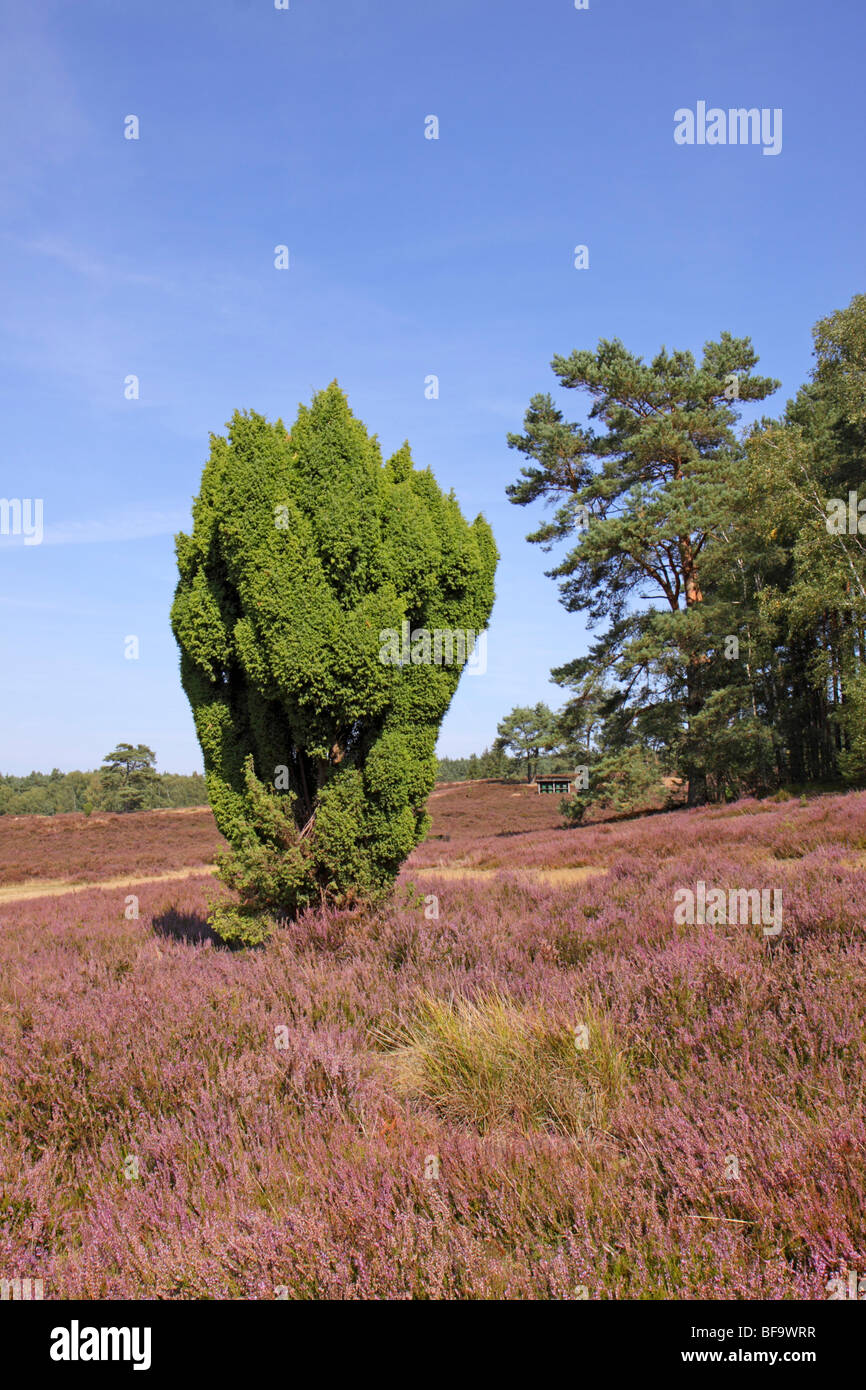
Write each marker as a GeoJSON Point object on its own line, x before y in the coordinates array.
{"type": "Point", "coordinates": [730, 570]}
{"type": "Point", "coordinates": [646, 495]}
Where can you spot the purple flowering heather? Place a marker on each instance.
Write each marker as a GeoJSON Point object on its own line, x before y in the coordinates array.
{"type": "Point", "coordinates": [497, 1086]}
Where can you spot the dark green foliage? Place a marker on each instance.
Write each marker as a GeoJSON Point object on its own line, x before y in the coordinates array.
{"type": "Point", "coordinates": [736, 648]}
{"type": "Point", "coordinates": [619, 783]}
{"type": "Point", "coordinates": [319, 755]}
{"type": "Point", "coordinates": [646, 500]}
{"type": "Point", "coordinates": [736, 643]}
{"type": "Point", "coordinates": [794, 584]}
{"type": "Point", "coordinates": [128, 780]}
{"type": "Point", "coordinates": [527, 733]}
{"type": "Point", "coordinates": [50, 794]}
{"type": "Point", "coordinates": [41, 793]}
{"type": "Point", "coordinates": [178, 789]}
{"type": "Point", "coordinates": [812, 597]}
{"type": "Point", "coordinates": [492, 763]}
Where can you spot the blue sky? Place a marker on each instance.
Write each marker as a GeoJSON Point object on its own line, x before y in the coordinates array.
{"type": "Point", "coordinates": [408, 257]}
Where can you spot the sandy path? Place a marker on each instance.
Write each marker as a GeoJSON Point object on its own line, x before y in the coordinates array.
{"type": "Point", "coordinates": [576, 875]}
{"type": "Point", "coordinates": [57, 887]}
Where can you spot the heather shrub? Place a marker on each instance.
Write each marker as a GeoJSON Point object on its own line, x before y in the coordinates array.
{"type": "Point", "coordinates": [280, 1147]}
{"type": "Point", "coordinates": [309, 559]}
{"type": "Point", "coordinates": [490, 1063]}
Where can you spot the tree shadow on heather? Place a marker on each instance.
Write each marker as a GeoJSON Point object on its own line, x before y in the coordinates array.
{"type": "Point", "coordinates": [185, 926]}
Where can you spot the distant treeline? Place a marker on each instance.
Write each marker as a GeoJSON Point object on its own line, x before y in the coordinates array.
{"type": "Point", "coordinates": [493, 762]}
{"type": "Point", "coordinates": [49, 793]}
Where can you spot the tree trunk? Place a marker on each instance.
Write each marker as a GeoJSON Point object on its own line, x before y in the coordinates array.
{"type": "Point", "coordinates": [697, 789]}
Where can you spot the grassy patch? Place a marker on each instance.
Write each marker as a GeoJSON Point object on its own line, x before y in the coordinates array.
{"type": "Point", "coordinates": [490, 1063]}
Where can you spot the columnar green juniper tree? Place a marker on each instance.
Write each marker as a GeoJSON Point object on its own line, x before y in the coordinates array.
{"type": "Point", "coordinates": [319, 754]}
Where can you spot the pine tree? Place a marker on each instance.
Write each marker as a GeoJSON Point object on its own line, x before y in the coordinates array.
{"type": "Point", "coordinates": [646, 497]}
{"type": "Point", "coordinates": [128, 780]}
{"type": "Point", "coordinates": [528, 732]}
{"type": "Point", "coordinates": [805, 485]}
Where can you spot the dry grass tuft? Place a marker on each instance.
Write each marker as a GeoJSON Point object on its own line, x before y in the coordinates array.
{"type": "Point", "coordinates": [490, 1063]}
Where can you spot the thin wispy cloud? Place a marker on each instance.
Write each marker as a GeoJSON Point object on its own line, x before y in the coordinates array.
{"type": "Point", "coordinates": [117, 528]}
{"type": "Point", "coordinates": [133, 526]}
{"type": "Point", "coordinates": [102, 272]}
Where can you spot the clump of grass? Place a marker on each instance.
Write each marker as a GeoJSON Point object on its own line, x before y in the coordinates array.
{"type": "Point", "coordinates": [490, 1063]}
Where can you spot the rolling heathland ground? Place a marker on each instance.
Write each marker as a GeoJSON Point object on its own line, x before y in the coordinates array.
{"type": "Point", "coordinates": [520, 1078]}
